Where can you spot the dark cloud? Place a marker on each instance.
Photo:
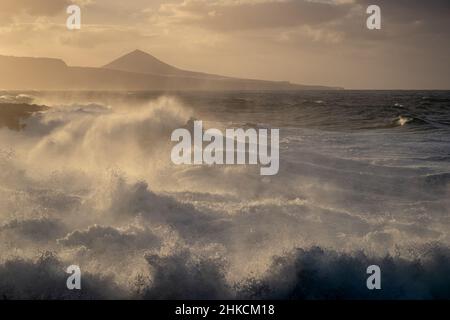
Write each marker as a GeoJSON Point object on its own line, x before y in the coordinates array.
{"type": "Point", "coordinates": [258, 15]}
{"type": "Point", "coordinates": [399, 17]}
{"type": "Point", "coordinates": [403, 18]}
{"type": "Point", "coordinates": [409, 11]}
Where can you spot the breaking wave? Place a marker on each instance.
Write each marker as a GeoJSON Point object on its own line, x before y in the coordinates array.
{"type": "Point", "coordinates": [88, 181]}
{"type": "Point", "coordinates": [306, 274]}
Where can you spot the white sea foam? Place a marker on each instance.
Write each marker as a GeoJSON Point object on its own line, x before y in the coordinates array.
{"type": "Point", "coordinates": [93, 183]}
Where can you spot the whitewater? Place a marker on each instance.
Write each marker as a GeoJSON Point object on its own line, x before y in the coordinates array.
{"type": "Point", "coordinates": [86, 179]}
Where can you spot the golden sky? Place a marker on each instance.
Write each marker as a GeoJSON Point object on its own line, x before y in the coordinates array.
{"type": "Point", "coordinates": [304, 41]}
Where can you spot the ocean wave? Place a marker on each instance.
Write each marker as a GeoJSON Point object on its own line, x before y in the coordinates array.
{"type": "Point", "coordinates": [184, 276]}
{"type": "Point", "coordinates": [303, 274]}
{"type": "Point", "coordinates": [16, 99]}
{"type": "Point", "coordinates": [13, 115]}
{"type": "Point", "coordinates": [44, 278]}
{"type": "Point", "coordinates": [323, 274]}
{"type": "Point", "coordinates": [92, 181]}
{"type": "Point", "coordinates": [100, 238]}
{"type": "Point", "coordinates": [35, 229]}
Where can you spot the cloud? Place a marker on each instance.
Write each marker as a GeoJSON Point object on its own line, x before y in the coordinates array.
{"type": "Point", "coordinates": [96, 35]}
{"type": "Point", "coordinates": [325, 21]}
{"type": "Point", "coordinates": [252, 15]}
{"type": "Point", "coordinates": [409, 11]}
{"type": "Point", "coordinates": [31, 7]}
{"type": "Point", "coordinates": [289, 37]}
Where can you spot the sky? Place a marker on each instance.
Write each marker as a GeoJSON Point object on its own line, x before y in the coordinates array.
{"type": "Point", "coordinates": [322, 42]}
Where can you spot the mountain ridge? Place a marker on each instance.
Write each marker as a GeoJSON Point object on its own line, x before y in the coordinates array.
{"type": "Point", "coordinates": [135, 71]}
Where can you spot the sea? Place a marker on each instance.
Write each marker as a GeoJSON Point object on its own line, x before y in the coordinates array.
{"type": "Point", "coordinates": [86, 179]}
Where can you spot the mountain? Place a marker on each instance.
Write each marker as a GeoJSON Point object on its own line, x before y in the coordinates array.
{"type": "Point", "coordinates": [134, 71]}
{"type": "Point", "coordinates": [141, 62]}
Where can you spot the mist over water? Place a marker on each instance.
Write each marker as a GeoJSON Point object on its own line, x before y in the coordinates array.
{"type": "Point", "coordinates": [86, 179]}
